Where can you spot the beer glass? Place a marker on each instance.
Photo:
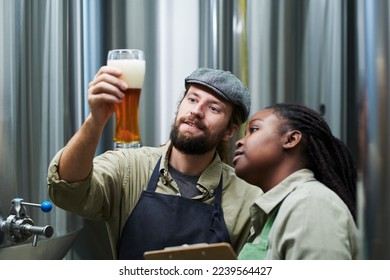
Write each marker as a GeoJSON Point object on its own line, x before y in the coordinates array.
{"type": "Point", "coordinates": [132, 64]}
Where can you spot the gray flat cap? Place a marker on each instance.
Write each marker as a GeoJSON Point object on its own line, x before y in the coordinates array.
{"type": "Point", "coordinates": [225, 84]}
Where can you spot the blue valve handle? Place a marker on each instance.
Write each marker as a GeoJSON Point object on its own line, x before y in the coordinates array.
{"type": "Point", "coordinates": [45, 206]}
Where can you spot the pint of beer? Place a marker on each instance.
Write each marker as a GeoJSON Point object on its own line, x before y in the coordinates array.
{"type": "Point", "coordinates": [132, 64]}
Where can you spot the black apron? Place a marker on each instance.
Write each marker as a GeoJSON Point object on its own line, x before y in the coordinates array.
{"type": "Point", "coordinates": [160, 220]}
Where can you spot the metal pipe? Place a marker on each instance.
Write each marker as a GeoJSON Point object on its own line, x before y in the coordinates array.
{"type": "Point", "coordinates": [374, 130]}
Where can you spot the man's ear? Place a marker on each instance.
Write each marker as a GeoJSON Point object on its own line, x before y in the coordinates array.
{"type": "Point", "coordinates": [230, 132]}
{"type": "Point", "coordinates": [293, 138]}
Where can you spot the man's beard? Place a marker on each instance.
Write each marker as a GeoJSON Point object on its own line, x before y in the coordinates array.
{"type": "Point", "coordinates": [194, 145]}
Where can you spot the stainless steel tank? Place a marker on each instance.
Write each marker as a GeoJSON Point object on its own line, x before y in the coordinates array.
{"type": "Point", "coordinates": [34, 100]}
{"type": "Point", "coordinates": [328, 55]}
{"type": "Point", "coordinates": [372, 58]}
{"type": "Point", "coordinates": [51, 49]}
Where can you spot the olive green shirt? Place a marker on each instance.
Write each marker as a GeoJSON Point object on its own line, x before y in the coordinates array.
{"type": "Point", "coordinates": [312, 221]}
{"type": "Point", "coordinates": [113, 188]}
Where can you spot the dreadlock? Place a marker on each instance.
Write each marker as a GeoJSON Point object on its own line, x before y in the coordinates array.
{"type": "Point", "coordinates": [327, 156]}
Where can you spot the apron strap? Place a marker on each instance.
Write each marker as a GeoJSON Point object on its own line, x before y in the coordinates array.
{"type": "Point", "coordinates": [267, 228]}
{"type": "Point", "coordinates": [152, 185]}
{"type": "Point", "coordinates": [258, 250]}
{"type": "Point", "coordinates": [218, 194]}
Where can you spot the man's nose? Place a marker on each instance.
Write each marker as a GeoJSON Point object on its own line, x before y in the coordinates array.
{"type": "Point", "coordinates": [198, 110]}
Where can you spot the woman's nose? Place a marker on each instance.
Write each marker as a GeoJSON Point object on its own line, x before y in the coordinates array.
{"type": "Point", "coordinates": [239, 143]}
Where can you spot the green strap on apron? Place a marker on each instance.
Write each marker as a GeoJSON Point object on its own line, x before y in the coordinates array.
{"type": "Point", "coordinates": [258, 251]}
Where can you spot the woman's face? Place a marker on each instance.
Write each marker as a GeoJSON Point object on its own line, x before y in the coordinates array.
{"type": "Point", "coordinates": [260, 152]}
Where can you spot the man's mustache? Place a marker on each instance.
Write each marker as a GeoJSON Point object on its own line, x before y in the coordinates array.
{"type": "Point", "coordinates": [193, 121]}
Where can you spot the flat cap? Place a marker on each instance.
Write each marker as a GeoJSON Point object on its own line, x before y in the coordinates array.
{"type": "Point", "coordinates": [225, 84]}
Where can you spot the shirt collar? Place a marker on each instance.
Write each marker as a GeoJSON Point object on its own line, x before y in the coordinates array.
{"type": "Point", "coordinates": [269, 200]}
{"type": "Point", "coordinates": [209, 179]}
{"type": "Point", "coordinates": [211, 176]}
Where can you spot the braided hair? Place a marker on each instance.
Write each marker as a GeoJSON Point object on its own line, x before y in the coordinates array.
{"type": "Point", "coordinates": [327, 156]}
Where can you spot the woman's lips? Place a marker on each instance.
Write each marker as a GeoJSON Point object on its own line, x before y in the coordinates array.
{"type": "Point", "coordinates": [237, 155]}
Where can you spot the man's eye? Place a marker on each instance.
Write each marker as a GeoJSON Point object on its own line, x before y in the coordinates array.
{"type": "Point", "coordinates": [214, 109]}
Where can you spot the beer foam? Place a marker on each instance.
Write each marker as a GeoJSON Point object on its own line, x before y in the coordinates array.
{"type": "Point", "coordinates": [133, 71]}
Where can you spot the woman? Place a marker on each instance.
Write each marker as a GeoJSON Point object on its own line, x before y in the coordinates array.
{"type": "Point", "coordinates": [308, 209]}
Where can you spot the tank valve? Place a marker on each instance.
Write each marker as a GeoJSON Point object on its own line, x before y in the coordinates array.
{"type": "Point", "coordinates": [20, 226]}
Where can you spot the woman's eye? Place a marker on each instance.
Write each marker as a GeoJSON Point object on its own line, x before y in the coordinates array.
{"type": "Point", "coordinates": [252, 129]}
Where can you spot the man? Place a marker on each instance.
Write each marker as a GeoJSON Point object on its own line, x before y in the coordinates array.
{"type": "Point", "coordinates": [152, 198]}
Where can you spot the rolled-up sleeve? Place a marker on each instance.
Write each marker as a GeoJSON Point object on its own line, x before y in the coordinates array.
{"type": "Point", "coordinates": [88, 198]}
